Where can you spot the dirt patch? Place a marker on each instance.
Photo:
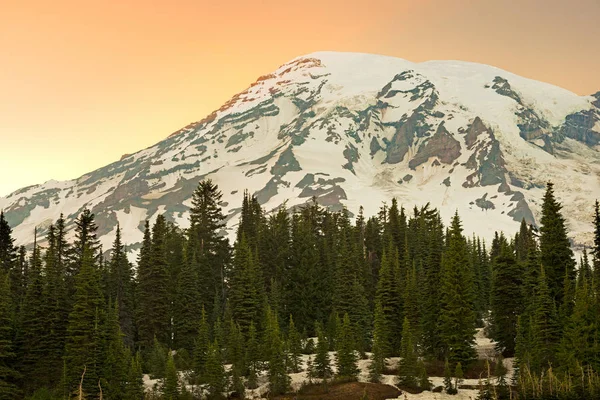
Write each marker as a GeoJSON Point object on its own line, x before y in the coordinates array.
{"type": "Point", "coordinates": [344, 391]}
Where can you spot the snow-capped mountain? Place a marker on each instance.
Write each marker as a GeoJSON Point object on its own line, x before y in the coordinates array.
{"type": "Point", "coordinates": [355, 129]}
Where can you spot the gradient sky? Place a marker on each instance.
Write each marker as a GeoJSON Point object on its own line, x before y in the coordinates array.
{"type": "Point", "coordinates": [83, 82]}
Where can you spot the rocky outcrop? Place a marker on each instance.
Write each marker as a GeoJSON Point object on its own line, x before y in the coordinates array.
{"type": "Point", "coordinates": [441, 145]}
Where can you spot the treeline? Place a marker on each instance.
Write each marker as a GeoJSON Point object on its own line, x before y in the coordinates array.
{"type": "Point", "coordinates": [397, 284]}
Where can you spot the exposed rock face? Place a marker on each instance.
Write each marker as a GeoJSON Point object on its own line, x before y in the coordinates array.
{"type": "Point", "coordinates": [441, 145]}
{"type": "Point", "coordinates": [351, 130]}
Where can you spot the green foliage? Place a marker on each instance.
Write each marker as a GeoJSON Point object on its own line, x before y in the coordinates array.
{"type": "Point", "coordinates": [8, 374]}
{"type": "Point", "coordinates": [201, 346]}
{"type": "Point", "coordinates": [346, 360]}
{"type": "Point", "coordinates": [294, 346]}
{"type": "Point", "coordinates": [408, 366]}
{"type": "Point", "coordinates": [214, 372]}
{"type": "Point", "coordinates": [457, 317]}
{"type": "Point", "coordinates": [170, 383]}
{"type": "Point", "coordinates": [322, 362]}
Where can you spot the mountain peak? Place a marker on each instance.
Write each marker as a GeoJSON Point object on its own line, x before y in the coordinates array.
{"type": "Point", "coordinates": [355, 129]}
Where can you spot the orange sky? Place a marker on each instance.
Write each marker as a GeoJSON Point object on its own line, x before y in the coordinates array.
{"type": "Point", "coordinates": [83, 82]}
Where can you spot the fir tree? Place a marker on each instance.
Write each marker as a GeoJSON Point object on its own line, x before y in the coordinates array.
{"type": "Point", "coordinates": [545, 327]}
{"type": "Point", "coordinates": [322, 363]}
{"type": "Point", "coordinates": [117, 357]}
{"type": "Point", "coordinates": [295, 347]}
{"type": "Point", "coordinates": [8, 251]}
{"type": "Point", "coordinates": [458, 376]}
{"type": "Point", "coordinates": [8, 374]}
{"type": "Point", "coordinates": [555, 250]}
{"type": "Point", "coordinates": [214, 372]}
{"type": "Point", "coordinates": [407, 368]}
{"type": "Point", "coordinates": [121, 288]}
{"type": "Point", "coordinates": [380, 345]}
{"type": "Point", "coordinates": [206, 247]}
{"type": "Point", "coordinates": [170, 384]}
{"type": "Point", "coordinates": [448, 386]}
{"type": "Point", "coordinates": [346, 361]}
{"type": "Point", "coordinates": [201, 346]}
{"type": "Point", "coordinates": [506, 299]}
{"type": "Point", "coordinates": [153, 285]}
{"type": "Point", "coordinates": [83, 332]}
{"type": "Point", "coordinates": [457, 319]}
{"type": "Point", "coordinates": [279, 380]}
{"type": "Point", "coordinates": [134, 389]}
{"type": "Point", "coordinates": [188, 309]}
{"type": "Point", "coordinates": [253, 357]}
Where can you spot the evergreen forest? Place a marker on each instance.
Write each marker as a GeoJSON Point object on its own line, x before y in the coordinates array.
{"type": "Point", "coordinates": [299, 290]}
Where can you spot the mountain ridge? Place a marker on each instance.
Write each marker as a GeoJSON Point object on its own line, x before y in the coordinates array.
{"type": "Point", "coordinates": [465, 136]}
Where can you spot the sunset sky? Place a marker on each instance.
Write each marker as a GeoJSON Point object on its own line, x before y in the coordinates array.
{"type": "Point", "coordinates": [83, 82]}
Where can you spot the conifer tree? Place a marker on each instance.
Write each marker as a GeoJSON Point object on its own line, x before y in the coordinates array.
{"type": "Point", "coordinates": [188, 311]}
{"type": "Point", "coordinates": [253, 357]}
{"type": "Point", "coordinates": [8, 374]}
{"type": "Point", "coordinates": [596, 249]}
{"type": "Point", "coordinates": [322, 363]}
{"type": "Point", "coordinates": [346, 361]}
{"type": "Point", "coordinates": [83, 332]}
{"type": "Point", "coordinates": [279, 381]}
{"type": "Point", "coordinates": [206, 246]}
{"type": "Point", "coordinates": [545, 328]}
{"type": "Point", "coordinates": [8, 251]}
{"type": "Point", "coordinates": [387, 296]}
{"type": "Point", "coordinates": [457, 318]}
{"type": "Point", "coordinates": [134, 389]}
{"type": "Point", "coordinates": [448, 386]}
{"type": "Point", "coordinates": [121, 288]}
{"type": "Point", "coordinates": [295, 346]}
{"type": "Point", "coordinates": [33, 329]}
{"type": "Point", "coordinates": [424, 382]}
{"type": "Point", "coordinates": [153, 285]}
{"type": "Point", "coordinates": [201, 346]}
{"type": "Point", "coordinates": [380, 345]}
{"type": "Point", "coordinates": [246, 292]}
{"type": "Point", "coordinates": [506, 299]}
{"type": "Point", "coordinates": [458, 376]}
{"type": "Point", "coordinates": [407, 368]}
{"type": "Point", "coordinates": [555, 249]}
{"type": "Point", "coordinates": [117, 358]}
{"type": "Point", "coordinates": [214, 372]}
{"type": "Point", "coordinates": [170, 383]}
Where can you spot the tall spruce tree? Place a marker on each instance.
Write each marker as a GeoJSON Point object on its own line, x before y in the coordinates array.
{"type": "Point", "coordinates": [8, 251]}
{"type": "Point", "coordinates": [545, 329]}
{"type": "Point", "coordinates": [207, 247]}
{"type": "Point", "coordinates": [8, 373]}
{"type": "Point", "coordinates": [121, 288]}
{"type": "Point", "coordinates": [83, 332]}
{"type": "Point", "coordinates": [506, 299]}
{"type": "Point", "coordinates": [555, 249]}
{"type": "Point", "coordinates": [155, 319]}
{"type": "Point", "coordinates": [346, 360]}
{"type": "Point", "coordinates": [408, 365]}
{"type": "Point", "coordinates": [457, 317]}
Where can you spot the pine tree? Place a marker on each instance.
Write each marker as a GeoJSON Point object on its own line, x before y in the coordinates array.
{"type": "Point", "coordinates": [596, 248]}
{"type": "Point", "coordinates": [8, 374]}
{"type": "Point", "coordinates": [155, 320]}
{"type": "Point", "coordinates": [506, 299]}
{"type": "Point", "coordinates": [201, 346]}
{"type": "Point", "coordinates": [380, 345]}
{"type": "Point", "coordinates": [346, 361]}
{"type": "Point", "coordinates": [83, 332]}
{"type": "Point", "coordinates": [279, 381]}
{"type": "Point", "coordinates": [545, 327]}
{"type": "Point", "coordinates": [458, 376]}
{"type": "Point", "coordinates": [555, 249]}
{"type": "Point", "coordinates": [121, 288]}
{"type": "Point", "coordinates": [187, 308]}
{"type": "Point", "coordinates": [170, 384]}
{"type": "Point", "coordinates": [208, 250]}
{"type": "Point", "coordinates": [134, 389]}
{"type": "Point", "coordinates": [33, 329]}
{"type": "Point", "coordinates": [322, 362]}
{"type": "Point", "coordinates": [214, 372]}
{"type": "Point", "coordinates": [407, 368]}
{"type": "Point", "coordinates": [457, 318]}
{"type": "Point", "coordinates": [448, 386]}
{"type": "Point", "coordinates": [117, 357]}
{"type": "Point", "coordinates": [252, 357]}
{"type": "Point", "coordinates": [295, 346]}
{"type": "Point", "coordinates": [8, 251]}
